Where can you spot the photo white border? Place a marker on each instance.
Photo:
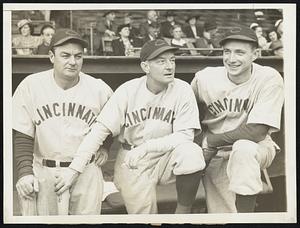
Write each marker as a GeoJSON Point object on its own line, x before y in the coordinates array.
{"type": "Point", "coordinates": [289, 22]}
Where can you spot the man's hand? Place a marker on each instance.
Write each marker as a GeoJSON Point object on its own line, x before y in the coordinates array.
{"type": "Point", "coordinates": [101, 156]}
{"type": "Point", "coordinates": [64, 180]}
{"type": "Point", "coordinates": [133, 156]}
{"type": "Point", "coordinates": [27, 186]}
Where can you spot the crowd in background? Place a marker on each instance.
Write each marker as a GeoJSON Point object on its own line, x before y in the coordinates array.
{"type": "Point", "coordinates": [125, 39]}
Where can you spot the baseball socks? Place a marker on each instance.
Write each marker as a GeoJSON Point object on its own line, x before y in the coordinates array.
{"type": "Point", "coordinates": [245, 203]}
{"type": "Point", "coordinates": [187, 187]}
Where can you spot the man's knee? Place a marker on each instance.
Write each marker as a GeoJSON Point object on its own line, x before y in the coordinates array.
{"type": "Point", "coordinates": [244, 150]}
{"type": "Point", "coordinates": [188, 158]}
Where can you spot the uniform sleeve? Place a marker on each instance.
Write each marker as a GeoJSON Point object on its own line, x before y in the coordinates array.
{"type": "Point", "coordinates": [113, 113]}
{"type": "Point", "coordinates": [186, 113]}
{"type": "Point", "coordinates": [267, 109]}
{"type": "Point", "coordinates": [22, 111]}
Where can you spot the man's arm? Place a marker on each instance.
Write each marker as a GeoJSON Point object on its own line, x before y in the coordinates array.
{"type": "Point", "coordinates": [252, 132]}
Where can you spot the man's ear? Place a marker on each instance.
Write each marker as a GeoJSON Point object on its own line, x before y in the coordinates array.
{"type": "Point", "coordinates": [51, 56]}
{"type": "Point", "coordinates": [145, 67]}
{"type": "Point", "coordinates": [256, 54]}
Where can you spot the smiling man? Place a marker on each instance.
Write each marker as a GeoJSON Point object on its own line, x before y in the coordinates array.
{"type": "Point", "coordinates": [52, 111]}
{"type": "Point", "coordinates": [155, 117]}
{"type": "Point", "coordinates": [242, 103]}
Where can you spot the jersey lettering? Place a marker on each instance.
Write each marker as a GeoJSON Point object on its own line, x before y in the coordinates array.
{"type": "Point", "coordinates": [235, 105]}
{"type": "Point", "coordinates": [55, 110]}
{"type": "Point", "coordinates": [156, 113]}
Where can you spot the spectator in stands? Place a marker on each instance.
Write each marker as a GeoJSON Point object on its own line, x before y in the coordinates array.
{"type": "Point", "coordinates": [124, 45]}
{"type": "Point", "coordinates": [210, 39]}
{"type": "Point", "coordinates": [178, 41]}
{"type": "Point", "coordinates": [152, 32]}
{"type": "Point", "coordinates": [166, 27]}
{"type": "Point", "coordinates": [277, 48]}
{"type": "Point", "coordinates": [26, 43]}
{"type": "Point", "coordinates": [134, 32]}
{"type": "Point", "coordinates": [271, 37]}
{"type": "Point", "coordinates": [47, 32]}
{"type": "Point", "coordinates": [262, 42]}
{"type": "Point", "coordinates": [279, 29]}
{"type": "Point", "coordinates": [106, 29]}
{"type": "Point", "coordinates": [152, 17]}
{"type": "Point", "coordinates": [192, 30]}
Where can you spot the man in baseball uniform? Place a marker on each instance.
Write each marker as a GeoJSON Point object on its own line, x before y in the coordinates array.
{"type": "Point", "coordinates": [242, 103]}
{"type": "Point", "coordinates": [155, 118]}
{"type": "Point", "coordinates": [52, 112]}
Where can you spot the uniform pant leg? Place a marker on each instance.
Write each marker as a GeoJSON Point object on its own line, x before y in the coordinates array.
{"type": "Point", "coordinates": [137, 186]}
{"type": "Point", "coordinates": [86, 192]}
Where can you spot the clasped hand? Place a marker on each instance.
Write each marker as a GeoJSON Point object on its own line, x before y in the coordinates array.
{"type": "Point", "coordinates": [133, 156]}
{"type": "Point", "coordinates": [64, 180]}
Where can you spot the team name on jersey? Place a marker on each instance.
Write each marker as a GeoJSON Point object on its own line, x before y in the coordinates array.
{"type": "Point", "coordinates": [231, 105]}
{"type": "Point", "coordinates": [65, 109]}
{"type": "Point", "coordinates": [156, 113]}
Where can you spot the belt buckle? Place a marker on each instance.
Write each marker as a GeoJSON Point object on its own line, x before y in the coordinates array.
{"type": "Point", "coordinates": [57, 163]}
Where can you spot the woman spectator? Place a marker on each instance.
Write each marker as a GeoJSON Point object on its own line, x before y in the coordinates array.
{"type": "Point", "coordinates": [272, 36]}
{"type": "Point", "coordinates": [25, 43]}
{"type": "Point", "coordinates": [124, 45]}
{"type": "Point", "coordinates": [177, 40]}
{"type": "Point", "coordinates": [47, 32]}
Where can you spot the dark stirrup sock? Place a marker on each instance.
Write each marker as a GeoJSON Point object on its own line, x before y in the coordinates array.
{"type": "Point", "coordinates": [187, 187]}
{"type": "Point", "coordinates": [245, 203]}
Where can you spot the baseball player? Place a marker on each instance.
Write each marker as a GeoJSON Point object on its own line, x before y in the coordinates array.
{"type": "Point", "coordinates": [243, 102]}
{"type": "Point", "coordinates": [154, 117]}
{"type": "Point", "coordinates": [52, 112]}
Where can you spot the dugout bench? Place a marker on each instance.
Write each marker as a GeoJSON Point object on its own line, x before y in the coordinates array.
{"type": "Point", "coordinates": [115, 70]}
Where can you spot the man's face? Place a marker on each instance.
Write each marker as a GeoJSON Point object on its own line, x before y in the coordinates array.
{"type": "Point", "coordinates": [259, 31]}
{"type": "Point", "coordinates": [238, 57]}
{"type": "Point", "coordinates": [111, 16]}
{"type": "Point", "coordinates": [152, 16]}
{"type": "Point", "coordinates": [177, 33]}
{"type": "Point", "coordinates": [67, 61]}
{"type": "Point", "coordinates": [161, 70]}
{"type": "Point", "coordinates": [192, 21]}
{"type": "Point", "coordinates": [280, 29]}
{"type": "Point", "coordinates": [154, 32]}
{"type": "Point", "coordinates": [25, 30]}
{"type": "Point", "coordinates": [47, 35]}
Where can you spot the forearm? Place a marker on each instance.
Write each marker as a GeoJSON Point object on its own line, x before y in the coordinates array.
{"type": "Point", "coordinates": [90, 144]}
{"type": "Point", "coordinates": [252, 132]}
{"type": "Point", "coordinates": [169, 142]}
{"type": "Point", "coordinates": [23, 152]}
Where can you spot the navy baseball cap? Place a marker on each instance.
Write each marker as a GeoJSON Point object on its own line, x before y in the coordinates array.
{"type": "Point", "coordinates": [240, 33]}
{"type": "Point", "coordinates": [153, 48]}
{"type": "Point", "coordinates": [63, 35]}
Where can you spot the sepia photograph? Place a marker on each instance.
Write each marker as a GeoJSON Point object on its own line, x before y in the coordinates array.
{"type": "Point", "coordinates": [149, 113]}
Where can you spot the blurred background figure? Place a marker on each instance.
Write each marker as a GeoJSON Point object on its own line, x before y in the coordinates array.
{"type": "Point", "coordinates": [262, 42]}
{"type": "Point", "coordinates": [279, 28]}
{"type": "Point", "coordinates": [124, 45]}
{"type": "Point", "coordinates": [210, 38]}
{"type": "Point", "coordinates": [271, 36]}
{"type": "Point", "coordinates": [166, 27]}
{"type": "Point", "coordinates": [277, 48]}
{"type": "Point", "coordinates": [178, 41]}
{"type": "Point", "coordinates": [134, 32]}
{"type": "Point", "coordinates": [191, 29]}
{"type": "Point", "coordinates": [152, 32]}
{"type": "Point", "coordinates": [25, 43]}
{"type": "Point", "coordinates": [47, 31]}
{"type": "Point", "coordinates": [152, 17]}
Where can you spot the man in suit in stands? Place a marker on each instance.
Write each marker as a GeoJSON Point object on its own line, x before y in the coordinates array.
{"type": "Point", "coordinates": [152, 17]}
{"type": "Point", "coordinates": [152, 32]}
{"type": "Point", "coordinates": [168, 25]}
{"type": "Point", "coordinates": [192, 30]}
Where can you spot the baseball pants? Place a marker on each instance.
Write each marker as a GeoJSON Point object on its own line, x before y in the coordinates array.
{"type": "Point", "coordinates": [85, 193]}
{"type": "Point", "coordinates": [237, 171]}
{"type": "Point", "coordinates": [138, 186]}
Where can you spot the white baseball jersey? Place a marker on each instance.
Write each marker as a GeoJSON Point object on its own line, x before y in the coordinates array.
{"type": "Point", "coordinates": [143, 115]}
{"type": "Point", "coordinates": [57, 119]}
{"type": "Point", "coordinates": [258, 100]}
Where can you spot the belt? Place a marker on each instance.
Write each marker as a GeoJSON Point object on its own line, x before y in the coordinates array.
{"type": "Point", "coordinates": [127, 146]}
{"type": "Point", "coordinates": [53, 163]}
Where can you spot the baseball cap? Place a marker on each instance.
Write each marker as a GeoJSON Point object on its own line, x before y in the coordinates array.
{"type": "Point", "coordinates": [23, 22]}
{"type": "Point", "coordinates": [63, 35]}
{"type": "Point", "coordinates": [153, 48]}
{"type": "Point", "coordinates": [240, 33]}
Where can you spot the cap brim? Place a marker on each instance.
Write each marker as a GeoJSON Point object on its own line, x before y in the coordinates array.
{"type": "Point", "coordinates": [161, 50]}
{"type": "Point", "coordinates": [83, 42]}
{"type": "Point", "coordinates": [237, 37]}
